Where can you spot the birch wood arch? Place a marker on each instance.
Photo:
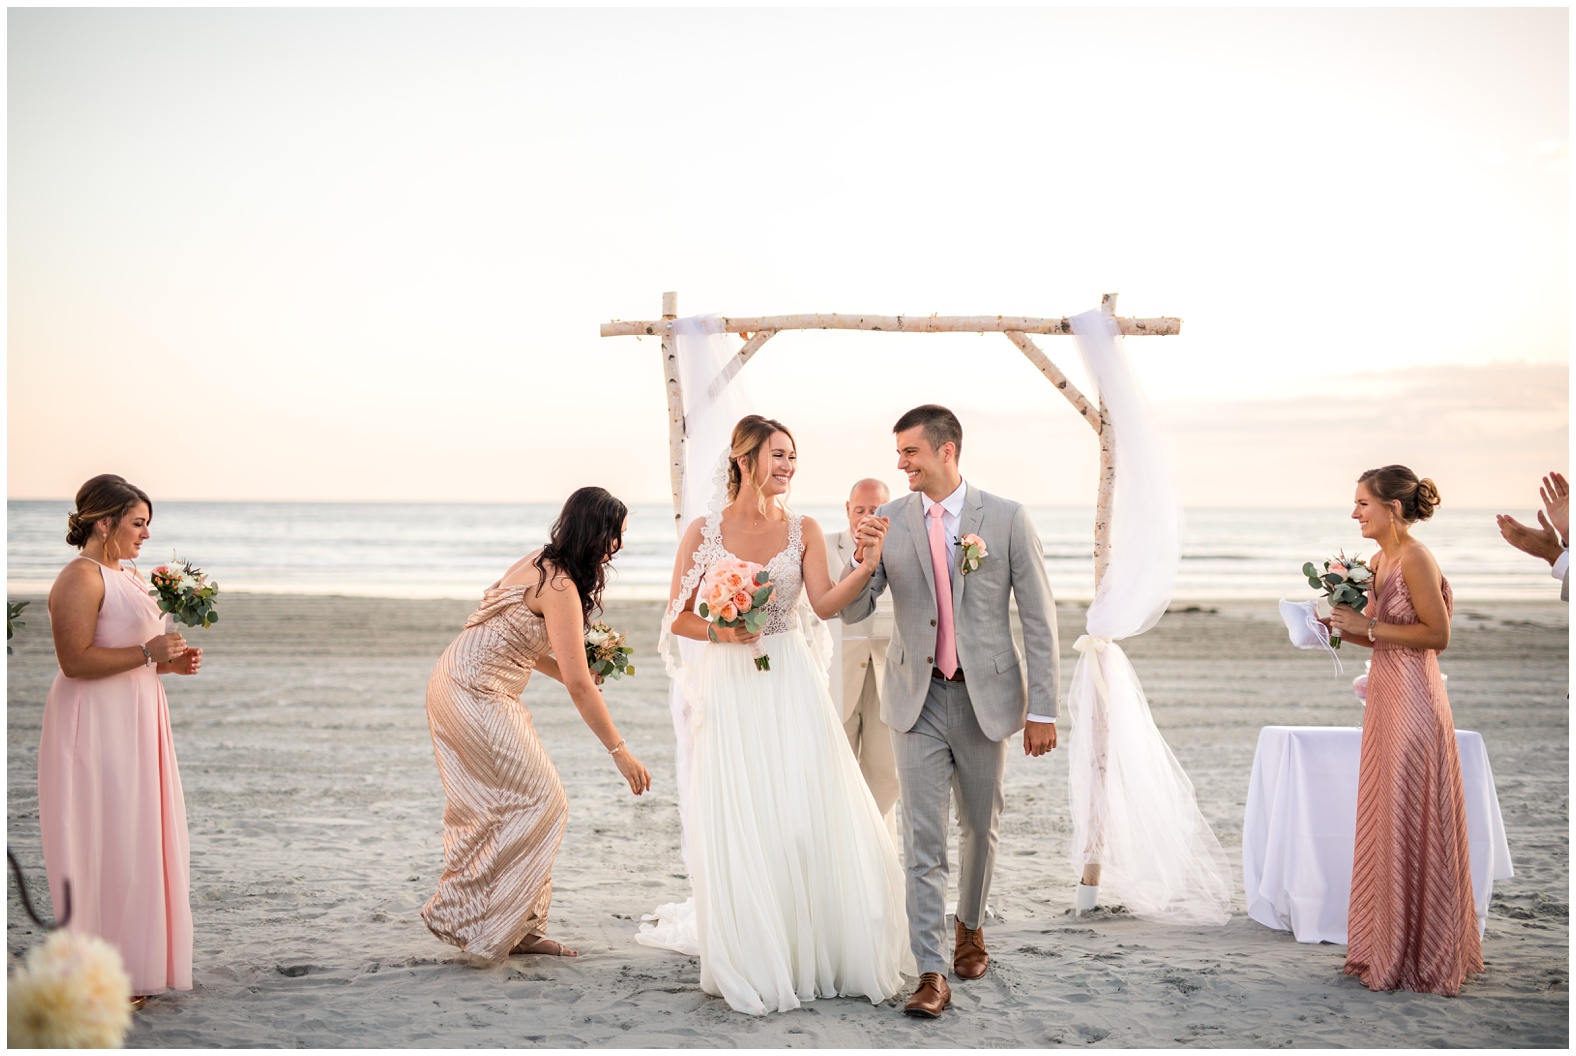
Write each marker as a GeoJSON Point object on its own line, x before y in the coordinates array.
{"type": "Point", "coordinates": [755, 331]}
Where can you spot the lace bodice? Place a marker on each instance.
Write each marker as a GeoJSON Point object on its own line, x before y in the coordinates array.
{"type": "Point", "coordinates": [786, 569]}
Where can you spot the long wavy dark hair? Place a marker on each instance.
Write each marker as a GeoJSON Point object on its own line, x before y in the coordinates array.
{"type": "Point", "coordinates": [589, 528]}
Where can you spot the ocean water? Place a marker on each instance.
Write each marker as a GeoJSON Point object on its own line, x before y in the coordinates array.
{"type": "Point", "coordinates": [453, 550]}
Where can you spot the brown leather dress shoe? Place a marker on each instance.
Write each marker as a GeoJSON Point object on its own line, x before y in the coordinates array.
{"type": "Point", "coordinates": [968, 952]}
{"type": "Point", "coordinates": [930, 996]}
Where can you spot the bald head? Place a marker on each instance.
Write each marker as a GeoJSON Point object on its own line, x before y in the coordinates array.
{"type": "Point", "coordinates": [863, 499]}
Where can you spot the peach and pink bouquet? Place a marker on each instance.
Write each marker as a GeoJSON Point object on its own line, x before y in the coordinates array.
{"type": "Point", "coordinates": [185, 593]}
{"type": "Point", "coordinates": [734, 594]}
{"type": "Point", "coordinates": [1345, 581]}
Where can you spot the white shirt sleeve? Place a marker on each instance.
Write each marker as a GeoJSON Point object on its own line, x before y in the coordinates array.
{"type": "Point", "coordinates": [1039, 718]}
{"type": "Point", "coordinates": [1561, 563]}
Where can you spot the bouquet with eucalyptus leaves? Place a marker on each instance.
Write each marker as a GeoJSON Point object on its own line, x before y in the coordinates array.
{"type": "Point", "coordinates": [1345, 581]}
{"type": "Point", "coordinates": [185, 593]}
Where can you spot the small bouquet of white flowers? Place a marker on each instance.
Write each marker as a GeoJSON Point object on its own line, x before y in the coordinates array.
{"type": "Point", "coordinates": [185, 593]}
{"type": "Point", "coordinates": [606, 653]}
{"type": "Point", "coordinates": [1345, 581]}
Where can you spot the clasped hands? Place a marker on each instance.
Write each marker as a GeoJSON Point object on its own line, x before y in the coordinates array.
{"type": "Point", "coordinates": [869, 537]}
{"type": "Point", "coordinates": [172, 652]}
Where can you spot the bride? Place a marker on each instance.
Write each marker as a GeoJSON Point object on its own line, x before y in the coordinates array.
{"type": "Point", "coordinates": [798, 891]}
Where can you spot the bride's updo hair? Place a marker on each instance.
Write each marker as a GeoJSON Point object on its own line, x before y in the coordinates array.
{"type": "Point", "coordinates": [106, 495]}
{"type": "Point", "coordinates": [1419, 498]}
{"type": "Point", "coordinates": [589, 528]}
{"type": "Point", "coordinates": [751, 435]}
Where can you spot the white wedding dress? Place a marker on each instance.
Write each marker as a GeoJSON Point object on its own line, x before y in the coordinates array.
{"type": "Point", "coordinates": [798, 890]}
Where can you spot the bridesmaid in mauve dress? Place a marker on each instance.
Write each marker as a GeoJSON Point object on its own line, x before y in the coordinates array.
{"type": "Point", "coordinates": [505, 808]}
{"type": "Point", "coordinates": [1412, 924]}
{"type": "Point", "coordinates": [110, 808]}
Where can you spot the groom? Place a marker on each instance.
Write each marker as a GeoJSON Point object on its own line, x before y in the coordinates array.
{"type": "Point", "coordinates": [956, 688]}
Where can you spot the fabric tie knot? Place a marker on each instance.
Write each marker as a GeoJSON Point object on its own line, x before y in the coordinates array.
{"type": "Point", "coordinates": [946, 644]}
{"type": "Point", "coordinates": [1086, 642]}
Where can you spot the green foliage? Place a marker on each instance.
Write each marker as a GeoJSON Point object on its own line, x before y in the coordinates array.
{"type": "Point", "coordinates": [606, 654]}
{"type": "Point", "coordinates": [13, 609]}
{"type": "Point", "coordinates": [193, 610]}
{"type": "Point", "coordinates": [183, 591]}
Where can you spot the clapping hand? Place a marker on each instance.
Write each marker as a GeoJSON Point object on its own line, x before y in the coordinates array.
{"type": "Point", "coordinates": [1556, 496]}
{"type": "Point", "coordinates": [1539, 542]}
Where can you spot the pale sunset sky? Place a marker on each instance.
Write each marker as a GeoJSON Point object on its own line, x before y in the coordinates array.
{"type": "Point", "coordinates": [363, 254]}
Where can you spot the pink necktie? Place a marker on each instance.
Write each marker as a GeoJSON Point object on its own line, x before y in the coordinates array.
{"type": "Point", "coordinates": [946, 647]}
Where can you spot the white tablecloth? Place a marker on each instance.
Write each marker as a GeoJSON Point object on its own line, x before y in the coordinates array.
{"type": "Point", "coordinates": [1300, 828]}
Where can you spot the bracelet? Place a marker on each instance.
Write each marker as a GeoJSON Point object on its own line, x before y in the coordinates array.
{"type": "Point", "coordinates": [619, 747]}
{"type": "Point", "coordinates": [1371, 625]}
{"type": "Point", "coordinates": [147, 657]}
{"type": "Point", "coordinates": [711, 632]}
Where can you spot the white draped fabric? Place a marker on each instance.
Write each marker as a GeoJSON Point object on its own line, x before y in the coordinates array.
{"type": "Point", "coordinates": [715, 398]}
{"type": "Point", "coordinates": [1133, 807]}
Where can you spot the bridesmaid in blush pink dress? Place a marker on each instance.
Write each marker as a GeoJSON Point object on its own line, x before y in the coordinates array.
{"type": "Point", "coordinates": [1411, 924]}
{"type": "Point", "coordinates": [109, 795]}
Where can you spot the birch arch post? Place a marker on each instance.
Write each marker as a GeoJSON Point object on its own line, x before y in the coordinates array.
{"type": "Point", "coordinates": [755, 331]}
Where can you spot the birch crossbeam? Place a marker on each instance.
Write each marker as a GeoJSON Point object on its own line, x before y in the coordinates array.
{"type": "Point", "coordinates": [1159, 326]}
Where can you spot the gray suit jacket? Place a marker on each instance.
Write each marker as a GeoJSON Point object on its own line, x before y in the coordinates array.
{"type": "Point", "coordinates": [856, 645]}
{"type": "Point", "coordinates": [1003, 686]}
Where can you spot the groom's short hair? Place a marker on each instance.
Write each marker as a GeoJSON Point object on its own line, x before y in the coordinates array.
{"type": "Point", "coordinates": [941, 426]}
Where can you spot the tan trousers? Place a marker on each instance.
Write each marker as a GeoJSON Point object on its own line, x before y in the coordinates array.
{"type": "Point", "coordinates": [871, 741]}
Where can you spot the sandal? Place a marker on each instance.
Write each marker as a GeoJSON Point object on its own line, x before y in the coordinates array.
{"type": "Point", "coordinates": [138, 1003]}
{"type": "Point", "coordinates": [541, 944]}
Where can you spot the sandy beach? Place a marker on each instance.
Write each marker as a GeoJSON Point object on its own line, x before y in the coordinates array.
{"type": "Point", "coordinates": [315, 811]}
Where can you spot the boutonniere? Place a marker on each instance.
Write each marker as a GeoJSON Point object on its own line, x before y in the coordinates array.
{"type": "Point", "coordinates": [971, 554]}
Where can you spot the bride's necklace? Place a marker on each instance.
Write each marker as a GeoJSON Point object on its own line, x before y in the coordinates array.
{"type": "Point", "coordinates": [752, 524]}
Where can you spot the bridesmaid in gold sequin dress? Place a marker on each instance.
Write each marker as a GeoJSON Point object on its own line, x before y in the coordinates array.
{"type": "Point", "coordinates": [505, 806]}
{"type": "Point", "coordinates": [1412, 924]}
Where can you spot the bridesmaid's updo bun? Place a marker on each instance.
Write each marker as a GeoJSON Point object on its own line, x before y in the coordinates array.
{"type": "Point", "coordinates": [1419, 498]}
{"type": "Point", "coordinates": [106, 495]}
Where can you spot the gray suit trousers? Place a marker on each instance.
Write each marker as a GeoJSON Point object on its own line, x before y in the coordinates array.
{"type": "Point", "coordinates": [946, 753]}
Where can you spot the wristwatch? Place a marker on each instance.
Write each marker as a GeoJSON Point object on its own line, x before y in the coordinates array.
{"type": "Point", "coordinates": [1371, 625]}
{"type": "Point", "coordinates": [146, 656]}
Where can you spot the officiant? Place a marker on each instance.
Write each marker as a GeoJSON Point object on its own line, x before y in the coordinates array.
{"type": "Point", "coordinates": [859, 661]}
